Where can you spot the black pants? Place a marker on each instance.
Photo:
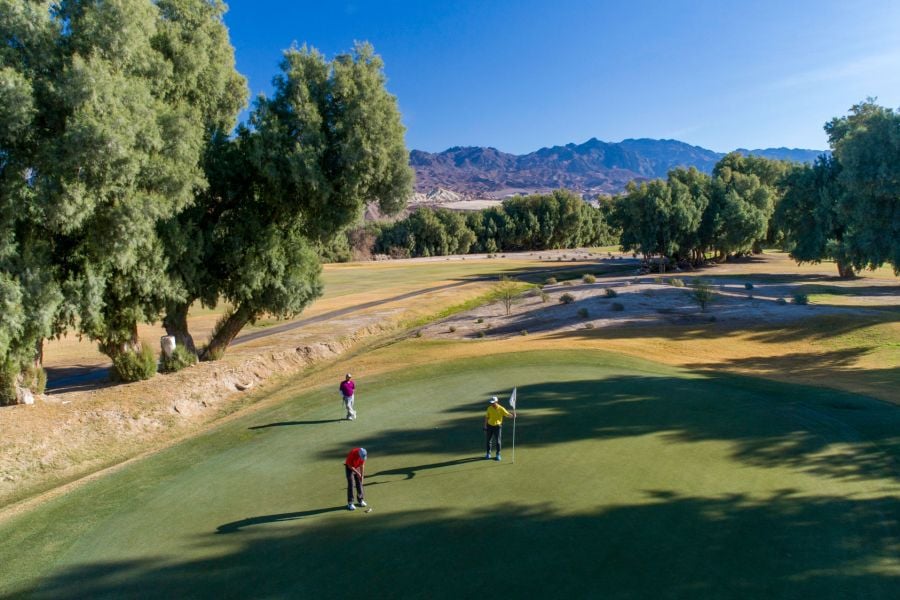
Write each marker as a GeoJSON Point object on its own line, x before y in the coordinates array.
{"type": "Point", "coordinates": [353, 478]}
{"type": "Point", "coordinates": [491, 433]}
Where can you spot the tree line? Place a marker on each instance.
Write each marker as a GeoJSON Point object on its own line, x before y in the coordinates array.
{"type": "Point", "coordinates": [127, 195]}
{"type": "Point", "coordinates": [845, 207]}
{"type": "Point", "coordinates": [560, 219]}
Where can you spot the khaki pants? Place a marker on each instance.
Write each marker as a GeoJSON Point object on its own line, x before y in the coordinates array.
{"type": "Point", "coordinates": [348, 404]}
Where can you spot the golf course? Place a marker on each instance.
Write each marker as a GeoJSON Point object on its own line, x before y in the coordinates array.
{"type": "Point", "coordinates": [631, 479]}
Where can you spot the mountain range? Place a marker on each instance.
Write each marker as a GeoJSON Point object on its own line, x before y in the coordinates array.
{"type": "Point", "coordinates": [594, 167]}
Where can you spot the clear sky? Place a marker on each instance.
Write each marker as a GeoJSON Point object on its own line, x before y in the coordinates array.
{"type": "Point", "coordinates": [522, 74]}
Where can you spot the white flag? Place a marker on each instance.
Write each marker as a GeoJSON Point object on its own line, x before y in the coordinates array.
{"type": "Point", "coordinates": [512, 399]}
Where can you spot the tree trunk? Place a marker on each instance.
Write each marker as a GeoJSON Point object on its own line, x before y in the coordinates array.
{"type": "Point", "coordinates": [845, 270]}
{"type": "Point", "coordinates": [113, 348]}
{"type": "Point", "coordinates": [176, 325]}
{"type": "Point", "coordinates": [226, 333]}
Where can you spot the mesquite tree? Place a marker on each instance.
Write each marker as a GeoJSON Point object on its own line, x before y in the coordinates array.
{"type": "Point", "coordinates": [327, 141]}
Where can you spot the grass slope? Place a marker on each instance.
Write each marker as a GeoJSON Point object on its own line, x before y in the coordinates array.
{"type": "Point", "coordinates": [632, 479]}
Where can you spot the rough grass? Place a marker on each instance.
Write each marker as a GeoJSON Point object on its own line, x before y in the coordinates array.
{"type": "Point", "coordinates": [698, 485]}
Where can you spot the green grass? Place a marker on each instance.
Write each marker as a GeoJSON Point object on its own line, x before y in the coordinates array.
{"type": "Point", "coordinates": [632, 480]}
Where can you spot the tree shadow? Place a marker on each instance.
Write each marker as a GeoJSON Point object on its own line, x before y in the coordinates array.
{"type": "Point", "coordinates": [289, 423]}
{"type": "Point", "coordinates": [411, 471]}
{"type": "Point", "coordinates": [787, 545]}
{"type": "Point", "coordinates": [767, 424]}
{"type": "Point", "coordinates": [235, 526]}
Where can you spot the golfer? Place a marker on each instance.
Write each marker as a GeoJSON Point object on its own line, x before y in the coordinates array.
{"type": "Point", "coordinates": [355, 469]}
{"type": "Point", "coordinates": [348, 388]}
{"type": "Point", "coordinates": [493, 422]}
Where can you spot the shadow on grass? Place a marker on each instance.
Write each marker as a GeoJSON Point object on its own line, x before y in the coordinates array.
{"type": "Point", "coordinates": [289, 423]}
{"type": "Point", "coordinates": [411, 471]}
{"type": "Point", "coordinates": [669, 546]}
{"type": "Point", "coordinates": [768, 424]}
{"type": "Point", "coordinates": [263, 519]}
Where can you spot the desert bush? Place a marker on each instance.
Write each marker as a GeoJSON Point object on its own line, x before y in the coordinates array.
{"type": "Point", "coordinates": [703, 294]}
{"type": "Point", "coordinates": [135, 365]}
{"type": "Point", "coordinates": [583, 313]}
{"type": "Point", "coordinates": [551, 281]}
{"type": "Point", "coordinates": [610, 293]}
{"type": "Point", "coordinates": [181, 359]}
{"type": "Point", "coordinates": [568, 282]}
{"type": "Point", "coordinates": [588, 278]}
{"type": "Point", "coordinates": [617, 306]}
{"type": "Point", "coordinates": [451, 329]}
{"type": "Point", "coordinates": [781, 301]}
{"type": "Point", "coordinates": [676, 282]}
{"type": "Point", "coordinates": [588, 325]}
{"type": "Point", "coordinates": [480, 334]}
{"type": "Point", "coordinates": [418, 333]}
{"type": "Point", "coordinates": [544, 296]}
{"type": "Point", "coordinates": [479, 320]}
{"type": "Point", "coordinates": [524, 332]}
{"type": "Point", "coordinates": [748, 286]}
{"type": "Point", "coordinates": [567, 299]}
{"type": "Point", "coordinates": [801, 299]}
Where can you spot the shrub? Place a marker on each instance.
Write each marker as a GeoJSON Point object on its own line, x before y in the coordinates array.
{"type": "Point", "coordinates": [748, 286]}
{"type": "Point", "coordinates": [583, 313]}
{"type": "Point", "coordinates": [480, 334]}
{"type": "Point", "coordinates": [703, 294]}
{"type": "Point", "coordinates": [781, 301]}
{"type": "Point", "coordinates": [524, 332]}
{"type": "Point", "coordinates": [588, 325]}
{"type": "Point", "coordinates": [567, 282]}
{"type": "Point", "coordinates": [33, 378]}
{"type": "Point", "coordinates": [451, 329]}
{"type": "Point", "coordinates": [801, 299]}
{"type": "Point", "coordinates": [610, 293]}
{"type": "Point", "coordinates": [676, 282]}
{"type": "Point", "coordinates": [479, 320]}
{"type": "Point", "coordinates": [181, 359]}
{"type": "Point", "coordinates": [566, 299]}
{"type": "Point", "coordinates": [551, 281]}
{"type": "Point", "coordinates": [588, 278]}
{"type": "Point", "coordinates": [135, 365]}
{"type": "Point", "coordinates": [418, 333]}
{"type": "Point", "coordinates": [617, 306]}
{"type": "Point", "coordinates": [544, 296]}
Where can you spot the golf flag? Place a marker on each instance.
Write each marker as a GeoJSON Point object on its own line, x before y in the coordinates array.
{"type": "Point", "coordinates": [512, 399]}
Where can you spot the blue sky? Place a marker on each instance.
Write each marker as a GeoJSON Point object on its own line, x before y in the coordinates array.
{"type": "Point", "coordinates": [519, 75]}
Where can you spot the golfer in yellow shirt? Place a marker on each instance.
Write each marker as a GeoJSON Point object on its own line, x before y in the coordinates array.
{"type": "Point", "coordinates": [493, 422]}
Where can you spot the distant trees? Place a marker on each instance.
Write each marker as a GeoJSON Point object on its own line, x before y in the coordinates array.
{"type": "Point", "coordinates": [538, 222]}
{"type": "Point", "coordinates": [847, 207]}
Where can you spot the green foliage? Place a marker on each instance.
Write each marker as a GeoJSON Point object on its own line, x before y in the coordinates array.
{"type": "Point", "coordinates": [748, 286]}
{"type": "Point", "coordinates": [566, 298]}
{"type": "Point", "coordinates": [480, 334]}
{"type": "Point", "coordinates": [551, 281]}
{"type": "Point", "coordinates": [702, 294]}
{"type": "Point", "coordinates": [583, 313]}
{"type": "Point", "coordinates": [134, 365]}
{"type": "Point", "coordinates": [588, 278]}
{"type": "Point", "coordinates": [801, 299]}
{"type": "Point", "coordinates": [610, 293]}
{"type": "Point", "coordinates": [506, 291]}
{"type": "Point", "coordinates": [544, 296]}
{"type": "Point", "coordinates": [181, 358]}
{"type": "Point", "coordinates": [676, 282]}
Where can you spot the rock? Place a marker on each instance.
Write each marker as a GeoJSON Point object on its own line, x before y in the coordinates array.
{"type": "Point", "coordinates": [24, 396]}
{"type": "Point", "coordinates": [167, 344]}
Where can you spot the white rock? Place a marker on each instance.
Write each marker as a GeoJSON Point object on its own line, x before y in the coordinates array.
{"type": "Point", "coordinates": [167, 344]}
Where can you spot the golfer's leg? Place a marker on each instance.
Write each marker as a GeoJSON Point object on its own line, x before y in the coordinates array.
{"type": "Point", "coordinates": [349, 473]}
{"type": "Point", "coordinates": [499, 434]}
{"type": "Point", "coordinates": [488, 434]}
{"type": "Point", "coordinates": [359, 487]}
{"type": "Point", "coordinates": [350, 411]}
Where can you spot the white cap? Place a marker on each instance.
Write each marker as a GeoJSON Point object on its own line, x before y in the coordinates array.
{"type": "Point", "coordinates": [493, 400]}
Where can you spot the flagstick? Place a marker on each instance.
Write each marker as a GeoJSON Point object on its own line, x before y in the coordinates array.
{"type": "Point", "coordinates": [514, 441]}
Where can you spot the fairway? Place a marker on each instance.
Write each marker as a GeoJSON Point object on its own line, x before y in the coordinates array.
{"type": "Point", "coordinates": [632, 479]}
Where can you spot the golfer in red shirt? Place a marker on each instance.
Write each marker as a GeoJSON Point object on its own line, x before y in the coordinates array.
{"type": "Point", "coordinates": [355, 469]}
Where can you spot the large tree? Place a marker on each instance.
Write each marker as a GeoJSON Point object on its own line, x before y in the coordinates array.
{"type": "Point", "coordinates": [866, 144]}
{"type": "Point", "coordinates": [327, 141]}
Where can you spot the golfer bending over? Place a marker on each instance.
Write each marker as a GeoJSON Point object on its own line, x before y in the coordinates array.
{"type": "Point", "coordinates": [355, 469]}
{"type": "Point", "coordinates": [493, 421]}
{"type": "Point", "coordinates": [348, 388]}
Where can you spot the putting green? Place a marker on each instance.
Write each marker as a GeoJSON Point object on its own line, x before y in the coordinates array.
{"type": "Point", "coordinates": [631, 480]}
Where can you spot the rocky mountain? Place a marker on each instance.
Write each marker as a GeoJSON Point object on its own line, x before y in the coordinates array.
{"type": "Point", "coordinates": [590, 168]}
